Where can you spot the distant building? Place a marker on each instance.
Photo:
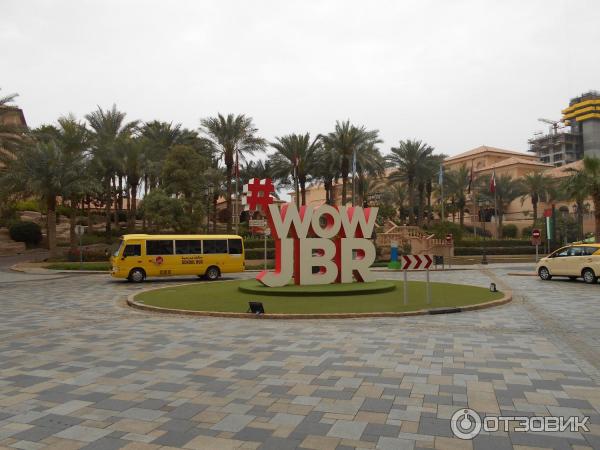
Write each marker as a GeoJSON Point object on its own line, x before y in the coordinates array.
{"type": "Point", "coordinates": [583, 115]}
{"type": "Point", "coordinates": [579, 137]}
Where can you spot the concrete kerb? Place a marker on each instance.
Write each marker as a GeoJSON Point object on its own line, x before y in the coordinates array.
{"type": "Point", "coordinates": [44, 271]}
{"type": "Point", "coordinates": [232, 315]}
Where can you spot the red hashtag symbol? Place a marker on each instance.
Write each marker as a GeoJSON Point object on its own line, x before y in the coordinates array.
{"type": "Point", "coordinates": [257, 195]}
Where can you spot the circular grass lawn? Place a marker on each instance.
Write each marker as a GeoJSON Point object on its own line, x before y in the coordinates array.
{"type": "Point", "coordinates": [224, 296]}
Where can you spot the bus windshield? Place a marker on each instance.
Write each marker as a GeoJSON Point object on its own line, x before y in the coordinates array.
{"type": "Point", "coordinates": [118, 250]}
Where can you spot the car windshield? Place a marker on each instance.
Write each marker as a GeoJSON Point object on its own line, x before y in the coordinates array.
{"type": "Point", "coordinates": [118, 250]}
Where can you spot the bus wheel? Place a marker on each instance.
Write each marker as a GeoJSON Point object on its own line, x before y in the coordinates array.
{"type": "Point", "coordinates": [137, 275]}
{"type": "Point", "coordinates": [212, 273]}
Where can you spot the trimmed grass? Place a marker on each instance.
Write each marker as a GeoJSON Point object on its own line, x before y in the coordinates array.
{"type": "Point", "coordinates": [224, 296]}
{"type": "Point", "coordinates": [253, 287]}
{"type": "Point", "coordinates": [76, 266]}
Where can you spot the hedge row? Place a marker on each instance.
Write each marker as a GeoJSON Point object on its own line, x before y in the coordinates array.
{"type": "Point", "coordinates": [257, 243]}
{"type": "Point", "coordinates": [496, 243]}
{"type": "Point", "coordinates": [468, 251]}
{"type": "Point", "coordinates": [259, 253]}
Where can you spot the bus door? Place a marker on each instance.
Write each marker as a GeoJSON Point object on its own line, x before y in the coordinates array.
{"type": "Point", "coordinates": [160, 259]}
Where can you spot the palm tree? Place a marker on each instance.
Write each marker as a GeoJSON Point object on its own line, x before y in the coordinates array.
{"type": "Point", "coordinates": [537, 186]}
{"type": "Point", "coordinates": [232, 137]}
{"type": "Point", "coordinates": [134, 163]}
{"type": "Point", "coordinates": [575, 187]}
{"type": "Point", "coordinates": [216, 188]}
{"type": "Point", "coordinates": [46, 170]}
{"type": "Point", "coordinates": [110, 134]}
{"type": "Point", "coordinates": [349, 140]}
{"type": "Point", "coordinates": [74, 139]}
{"type": "Point", "coordinates": [408, 160]}
{"type": "Point", "coordinates": [370, 167]}
{"type": "Point", "coordinates": [327, 170]}
{"type": "Point", "coordinates": [456, 184]}
{"type": "Point", "coordinates": [158, 138]}
{"type": "Point", "coordinates": [295, 158]}
{"type": "Point", "coordinates": [589, 180]}
{"type": "Point", "coordinates": [507, 190]}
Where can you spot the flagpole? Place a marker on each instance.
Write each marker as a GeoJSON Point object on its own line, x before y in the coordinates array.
{"type": "Point", "coordinates": [496, 206]}
{"type": "Point", "coordinates": [441, 180]}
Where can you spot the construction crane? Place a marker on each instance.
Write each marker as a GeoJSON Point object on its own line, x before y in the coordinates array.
{"type": "Point", "coordinates": [553, 123]}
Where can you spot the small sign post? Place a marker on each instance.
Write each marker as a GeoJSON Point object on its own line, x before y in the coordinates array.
{"type": "Point", "coordinates": [79, 230]}
{"type": "Point", "coordinates": [536, 238]}
{"type": "Point", "coordinates": [416, 262]}
{"type": "Point", "coordinates": [449, 239]}
{"type": "Point", "coordinates": [267, 232]}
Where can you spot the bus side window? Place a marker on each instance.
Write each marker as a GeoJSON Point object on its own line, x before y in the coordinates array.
{"type": "Point", "coordinates": [188, 247]}
{"type": "Point", "coordinates": [212, 246]}
{"type": "Point", "coordinates": [159, 247]}
{"type": "Point", "coordinates": [132, 250]}
{"type": "Point", "coordinates": [235, 246]}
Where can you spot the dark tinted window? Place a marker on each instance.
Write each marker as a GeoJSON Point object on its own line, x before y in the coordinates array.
{"type": "Point", "coordinates": [576, 251]}
{"type": "Point", "coordinates": [162, 247]}
{"type": "Point", "coordinates": [133, 250]}
{"type": "Point", "coordinates": [215, 246]}
{"type": "Point", "coordinates": [235, 246]}
{"type": "Point", "coordinates": [590, 250]}
{"type": "Point", "coordinates": [188, 247]}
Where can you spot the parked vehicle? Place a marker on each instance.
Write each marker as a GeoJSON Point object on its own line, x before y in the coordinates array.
{"type": "Point", "coordinates": [573, 261]}
{"type": "Point", "coordinates": [142, 255]}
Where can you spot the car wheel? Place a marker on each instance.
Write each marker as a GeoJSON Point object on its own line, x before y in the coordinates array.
{"type": "Point", "coordinates": [137, 275]}
{"type": "Point", "coordinates": [589, 276]}
{"type": "Point", "coordinates": [212, 273]}
{"type": "Point", "coordinates": [544, 273]}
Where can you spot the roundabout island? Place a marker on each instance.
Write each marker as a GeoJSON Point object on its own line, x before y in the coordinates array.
{"type": "Point", "coordinates": [379, 298]}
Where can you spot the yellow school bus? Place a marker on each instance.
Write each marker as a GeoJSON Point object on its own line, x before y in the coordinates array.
{"type": "Point", "coordinates": [144, 255]}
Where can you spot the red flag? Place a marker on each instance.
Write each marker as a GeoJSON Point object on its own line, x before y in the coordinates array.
{"type": "Point", "coordinates": [493, 183]}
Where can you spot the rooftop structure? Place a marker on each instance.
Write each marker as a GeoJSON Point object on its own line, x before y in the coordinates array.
{"type": "Point", "coordinates": [583, 115]}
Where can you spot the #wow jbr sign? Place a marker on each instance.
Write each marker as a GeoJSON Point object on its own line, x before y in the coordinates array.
{"type": "Point", "coordinates": [333, 239]}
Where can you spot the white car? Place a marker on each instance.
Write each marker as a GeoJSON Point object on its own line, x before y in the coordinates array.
{"type": "Point", "coordinates": [573, 261]}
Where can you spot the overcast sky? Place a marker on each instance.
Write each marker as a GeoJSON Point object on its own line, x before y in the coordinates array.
{"type": "Point", "coordinates": [456, 74]}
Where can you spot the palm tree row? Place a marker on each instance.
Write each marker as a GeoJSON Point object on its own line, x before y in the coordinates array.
{"type": "Point", "coordinates": [106, 160]}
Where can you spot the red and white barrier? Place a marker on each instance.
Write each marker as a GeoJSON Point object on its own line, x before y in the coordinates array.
{"type": "Point", "coordinates": [416, 262]}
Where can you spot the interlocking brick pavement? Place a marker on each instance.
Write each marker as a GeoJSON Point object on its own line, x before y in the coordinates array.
{"type": "Point", "coordinates": [80, 370]}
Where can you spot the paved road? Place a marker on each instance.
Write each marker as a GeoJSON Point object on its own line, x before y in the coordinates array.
{"type": "Point", "coordinates": [80, 370]}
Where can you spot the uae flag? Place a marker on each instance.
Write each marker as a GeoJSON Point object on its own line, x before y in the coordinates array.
{"type": "Point", "coordinates": [493, 183]}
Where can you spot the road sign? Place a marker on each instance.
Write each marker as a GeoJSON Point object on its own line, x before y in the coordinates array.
{"type": "Point", "coordinates": [536, 241]}
{"type": "Point", "coordinates": [416, 262]}
{"type": "Point", "coordinates": [267, 232]}
{"type": "Point", "coordinates": [536, 233]}
{"type": "Point", "coordinates": [79, 230]}
{"type": "Point", "coordinates": [257, 222]}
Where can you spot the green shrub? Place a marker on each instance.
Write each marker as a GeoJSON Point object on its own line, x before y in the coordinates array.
{"type": "Point", "coordinates": [259, 253]}
{"type": "Point", "coordinates": [495, 243]}
{"type": "Point", "coordinates": [509, 231]}
{"type": "Point", "coordinates": [28, 232]}
{"type": "Point", "coordinates": [477, 231]}
{"type": "Point", "coordinates": [440, 230]}
{"type": "Point", "coordinates": [258, 243]}
{"type": "Point", "coordinates": [30, 205]}
{"type": "Point", "coordinates": [468, 251]}
{"type": "Point", "coordinates": [8, 214]}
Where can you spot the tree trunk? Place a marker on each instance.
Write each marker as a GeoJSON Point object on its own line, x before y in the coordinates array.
{"type": "Point", "coordinates": [116, 203]}
{"type": "Point", "coordinates": [120, 193]}
{"type": "Point", "coordinates": [229, 209]}
{"type": "Point", "coordinates": [132, 207]}
{"type": "Point", "coordinates": [303, 191]}
{"type": "Point", "coordinates": [72, 223]}
{"type": "Point", "coordinates": [534, 204]}
{"type": "Point", "coordinates": [51, 225]}
{"type": "Point", "coordinates": [411, 203]}
{"type": "Point", "coordinates": [107, 207]}
{"type": "Point", "coordinates": [214, 213]}
{"type": "Point", "coordinates": [344, 189]}
{"type": "Point", "coordinates": [580, 234]}
{"type": "Point", "coordinates": [461, 217]}
{"type": "Point", "coordinates": [499, 221]}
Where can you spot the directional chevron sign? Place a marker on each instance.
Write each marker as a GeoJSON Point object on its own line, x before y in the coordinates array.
{"type": "Point", "coordinates": [416, 262]}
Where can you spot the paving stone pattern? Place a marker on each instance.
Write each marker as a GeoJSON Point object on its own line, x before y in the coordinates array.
{"type": "Point", "coordinates": [78, 370]}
